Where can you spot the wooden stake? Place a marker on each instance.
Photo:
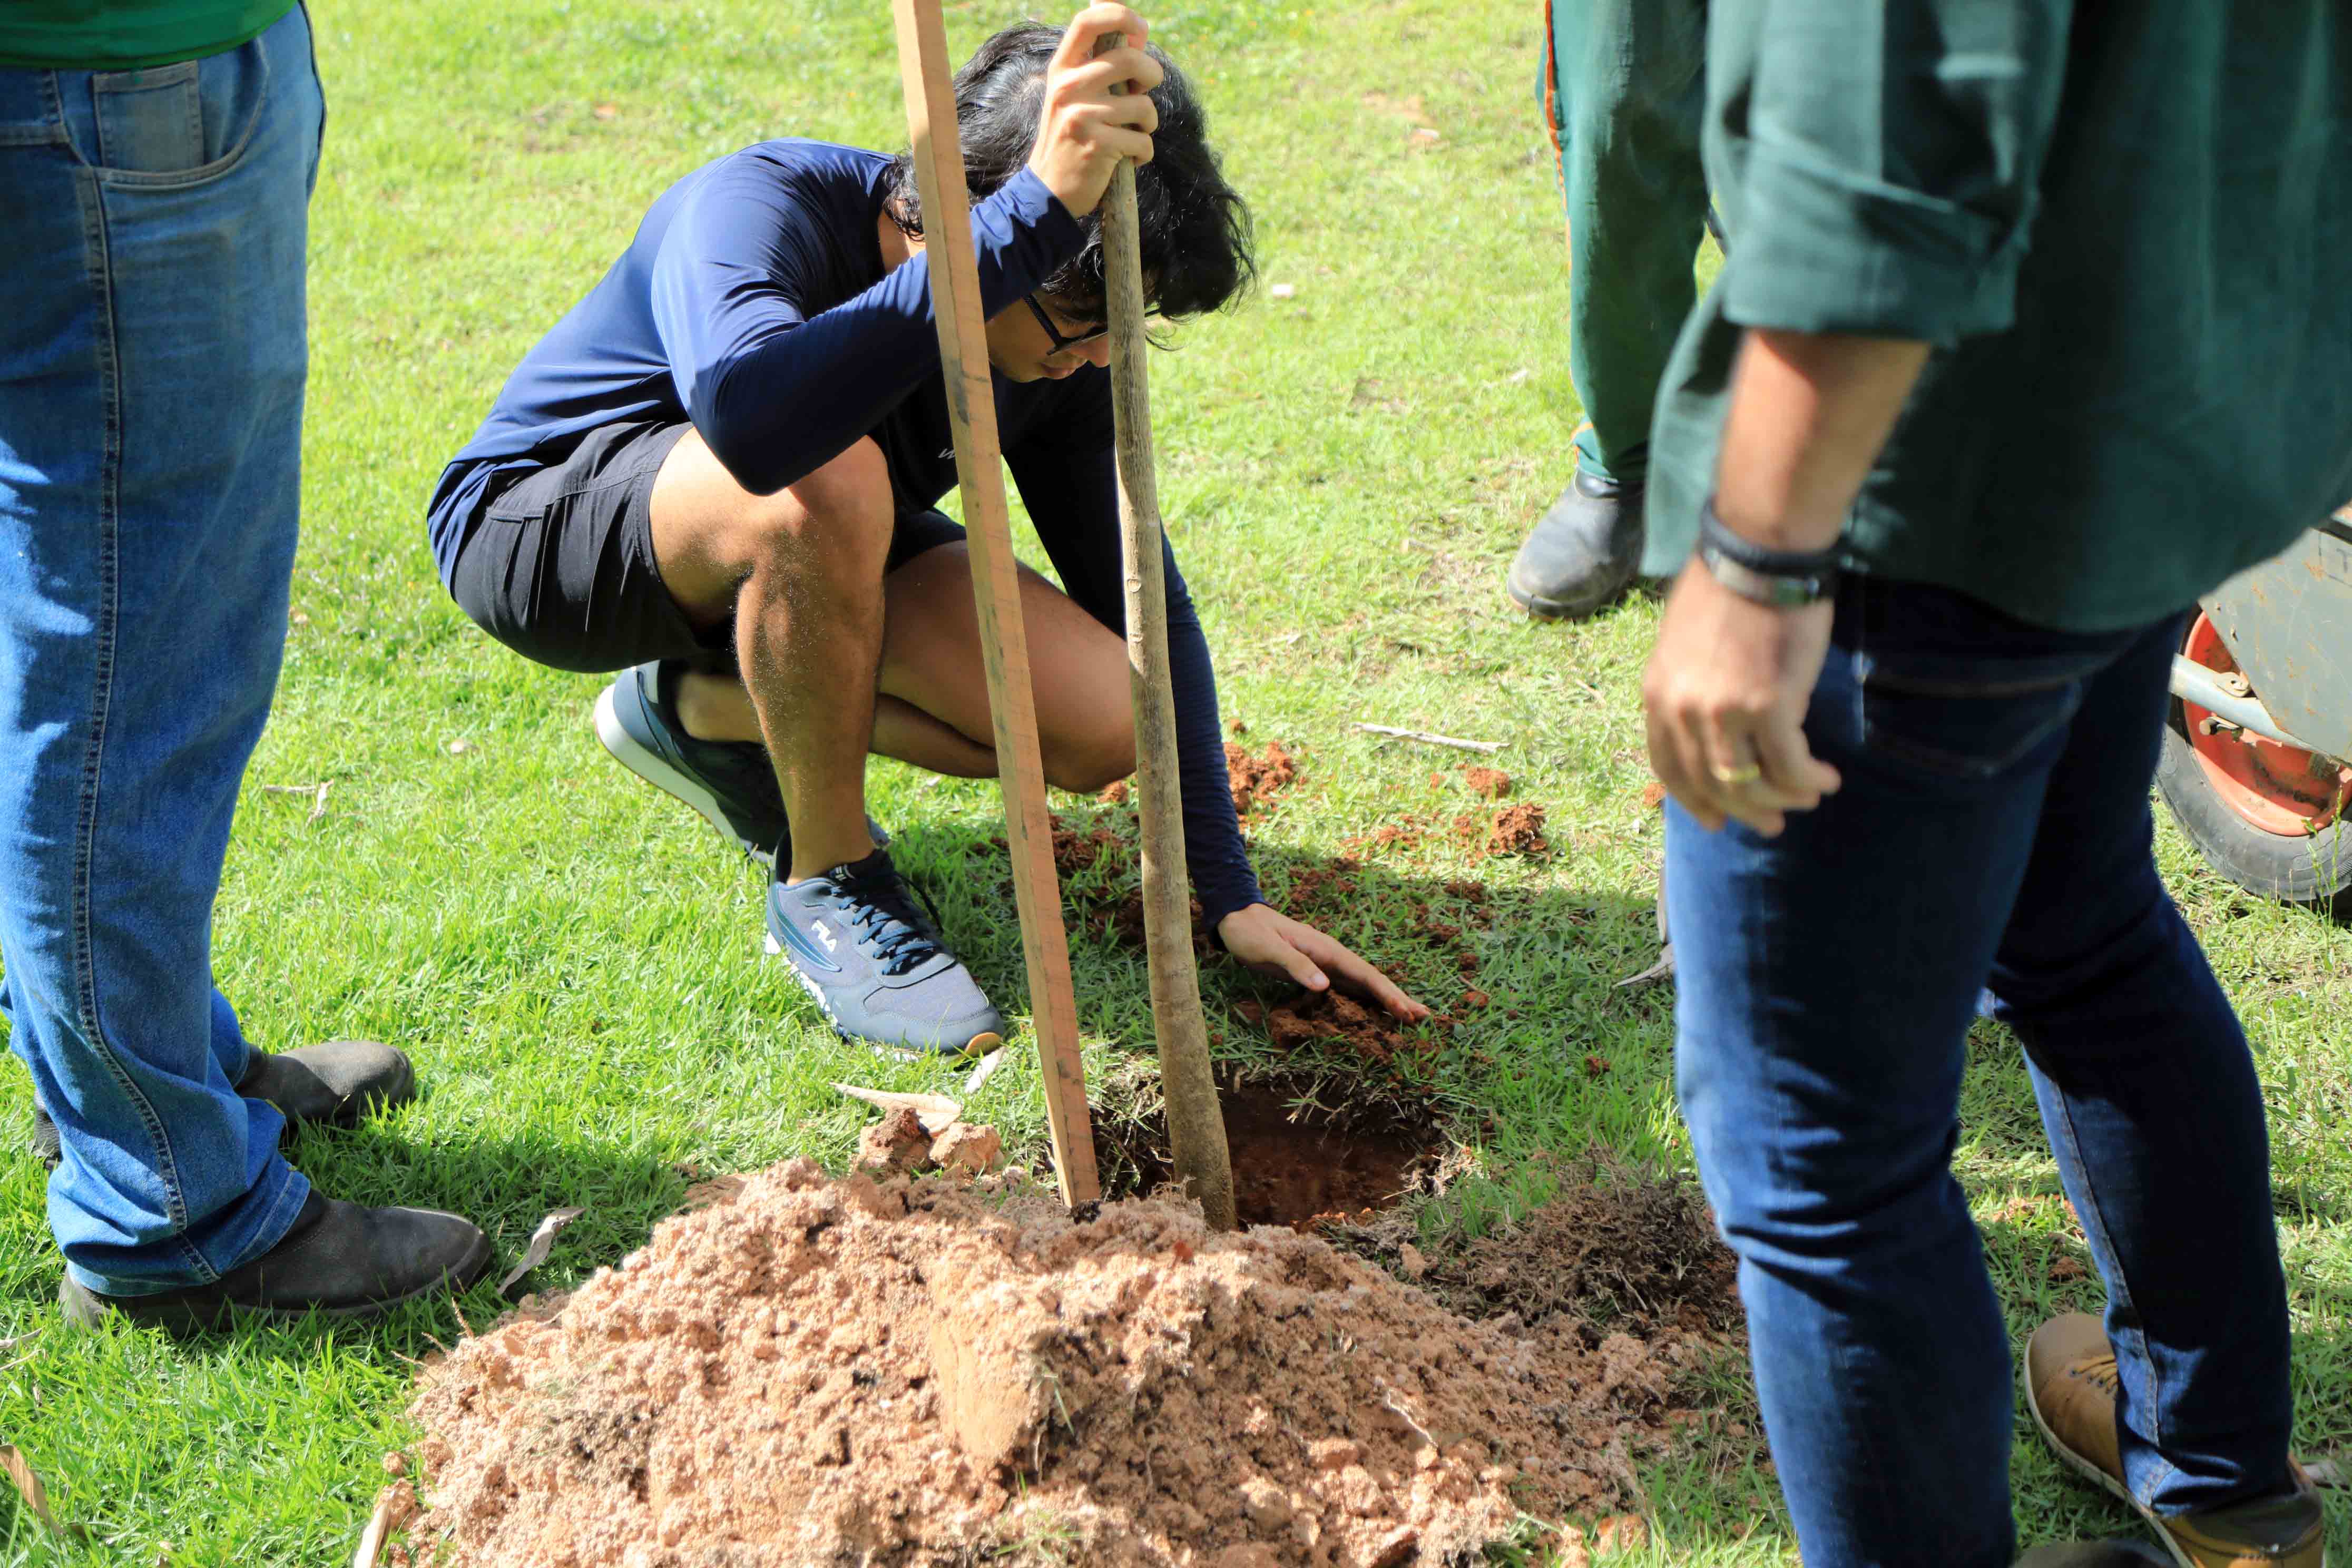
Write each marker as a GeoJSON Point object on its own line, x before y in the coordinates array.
{"type": "Point", "coordinates": [995, 584]}
{"type": "Point", "coordinates": [1196, 1122]}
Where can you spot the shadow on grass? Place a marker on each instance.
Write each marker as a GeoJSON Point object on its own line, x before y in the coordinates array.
{"type": "Point", "coordinates": [504, 1182]}
{"type": "Point", "coordinates": [1506, 966]}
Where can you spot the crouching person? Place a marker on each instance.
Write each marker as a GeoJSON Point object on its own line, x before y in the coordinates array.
{"type": "Point", "coordinates": [718, 475]}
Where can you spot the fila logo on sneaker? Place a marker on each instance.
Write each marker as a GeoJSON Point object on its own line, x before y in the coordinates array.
{"type": "Point", "coordinates": [825, 935]}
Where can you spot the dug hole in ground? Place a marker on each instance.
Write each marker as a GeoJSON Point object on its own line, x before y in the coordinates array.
{"type": "Point", "coordinates": [943, 1370]}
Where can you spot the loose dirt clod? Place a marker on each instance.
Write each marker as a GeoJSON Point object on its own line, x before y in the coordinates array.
{"type": "Point", "coordinates": [1517, 830]}
{"type": "Point", "coordinates": [1368, 1031]}
{"type": "Point", "coordinates": [1492, 783]}
{"type": "Point", "coordinates": [1256, 780]}
{"type": "Point", "coordinates": [919, 1374]}
{"type": "Point", "coordinates": [897, 1143]}
{"type": "Point", "coordinates": [973, 1150]}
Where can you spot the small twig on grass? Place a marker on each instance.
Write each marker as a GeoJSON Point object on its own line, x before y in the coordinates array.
{"type": "Point", "coordinates": [937, 1111]}
{"type": "Point", "coordinates": [20, 1471]}
{"type": "Point", "coordinates": [1429, 740]}
{"type": "Point", "coordinates": [1664, 969]}
{"type": "Point", "coordinates": [395, 1505]}
{"type": "Point", "coordinates": [379, 1525]}
{"type": "Point", "coordinates": [317, 791]}
{"type": "Point", "coordinates": [983, 1072]}
{"type": "Point", "coordinates": [542, 1242]}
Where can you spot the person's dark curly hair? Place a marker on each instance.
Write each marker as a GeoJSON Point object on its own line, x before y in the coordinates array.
{"type": "Point", "coordinates": [1194, 227]}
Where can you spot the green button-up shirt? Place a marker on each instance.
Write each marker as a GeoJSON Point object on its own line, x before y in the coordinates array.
{"type": "Point", "coordinates": [2126, 227]}
{"type": "Point", "coordinates": [120, 34]}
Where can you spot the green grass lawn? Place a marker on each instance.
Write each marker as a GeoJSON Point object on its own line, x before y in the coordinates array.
{"type": "Point", "coordinates": [575, 961]}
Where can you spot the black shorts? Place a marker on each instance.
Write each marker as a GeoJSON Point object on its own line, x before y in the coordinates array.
{"type": "Point", "coordinates": [560, 567]}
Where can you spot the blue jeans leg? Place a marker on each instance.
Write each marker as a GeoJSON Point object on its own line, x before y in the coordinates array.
{"type": "Point", "coordinates": [1826, 982]}
{"type": "Point", "coordinates": [152, 368]}
{"type": "Point", "coordinates": [2148, 1093]}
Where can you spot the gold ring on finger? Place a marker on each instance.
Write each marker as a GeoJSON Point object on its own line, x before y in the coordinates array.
{"type": "Point", "coordinates": [1747, 772]}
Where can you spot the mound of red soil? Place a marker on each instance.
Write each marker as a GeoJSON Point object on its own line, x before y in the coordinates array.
{"type": "Point", "coordinates": [1256, 780]}
{"type": "Point", "coordinates": [921, 1374]}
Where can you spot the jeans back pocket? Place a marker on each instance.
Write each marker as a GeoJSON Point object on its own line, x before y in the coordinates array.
{"type": "Point", "coordinates": [1957, 688]}
{"type": "Point", "coordinates": [1971, 736]}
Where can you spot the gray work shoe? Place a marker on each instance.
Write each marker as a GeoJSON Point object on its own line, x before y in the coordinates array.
{"type": "Point", "coordinates": [48, 1147]}
{"type": "Point", "coordinates": [856, 941]}
{"type": "Point", "coordinates": [1582, 553]}
{"type": "Point", "coordinates": [333, 1084]}
{"type": "Point", "coordinates": [341, 1261]}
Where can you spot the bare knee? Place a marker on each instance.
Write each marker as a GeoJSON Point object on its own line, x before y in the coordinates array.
{"type": "Point", "coordinates": [833, 525]}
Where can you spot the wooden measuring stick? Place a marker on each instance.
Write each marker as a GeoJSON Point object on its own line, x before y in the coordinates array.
{"type": "Point", "coordinates": [995, 584]}
{"type": "Point", "coordinates": [1196, 1122]}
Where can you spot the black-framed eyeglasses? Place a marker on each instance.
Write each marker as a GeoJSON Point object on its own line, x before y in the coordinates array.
{"type": "Point", "coordinates": [1053, 333]}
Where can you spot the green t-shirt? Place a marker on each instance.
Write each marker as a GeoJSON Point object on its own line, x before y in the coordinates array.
{"type": "Point", "coordinates": [118, 34]}
{"type": "Point", "coordinates": [2126, 228]}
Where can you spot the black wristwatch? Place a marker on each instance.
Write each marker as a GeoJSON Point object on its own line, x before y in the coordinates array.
{"type": "Point", "coordinates": [1783, 579]}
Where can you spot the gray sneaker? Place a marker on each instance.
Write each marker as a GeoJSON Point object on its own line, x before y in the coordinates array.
{"type": "Point", "coordinates": [875, 964]}
{"type": "Point", "coordinates": [731, 783]}
{"type": "Point", "coordinates": [1582, 553]}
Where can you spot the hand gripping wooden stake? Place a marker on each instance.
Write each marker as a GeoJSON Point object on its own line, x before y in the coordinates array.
{"type": "Point", "coordinates": [1196, 1122]}
{"type": "Point", "coordinates": [995, 584]}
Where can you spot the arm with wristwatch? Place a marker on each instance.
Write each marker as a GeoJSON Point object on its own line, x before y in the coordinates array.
{"type": "Point", "coordinates": [1747, 621]}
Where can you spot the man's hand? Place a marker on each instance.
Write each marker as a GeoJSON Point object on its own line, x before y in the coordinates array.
{"type": "Point", "coordinates": [1729, 680]}
{"type": "Point", "coordinates": [1084, 131]}
{"type": "Point", "coordinates": [1725, 696]}
{"type": "Point", "coordinates": [1272, 943]}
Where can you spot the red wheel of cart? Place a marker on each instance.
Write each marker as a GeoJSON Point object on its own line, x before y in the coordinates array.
{"type": "Point", "coordinates": [2271, 817]}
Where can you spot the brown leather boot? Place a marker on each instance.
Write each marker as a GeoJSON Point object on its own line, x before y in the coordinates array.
{"type": "Point", "coordinates": [339, 1260]}
{"type": "Point", "coordinates": [2070, 1379]}
{"type": "Point", "coordinates": [335, 1083]}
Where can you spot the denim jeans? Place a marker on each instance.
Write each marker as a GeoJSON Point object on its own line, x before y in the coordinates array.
{"type": "Point", "coordinates": [151, 362]}
{"type": "Point", "coordinates": [1993, 832]}
{"type": "Point", "coordinates": [1624, 93]}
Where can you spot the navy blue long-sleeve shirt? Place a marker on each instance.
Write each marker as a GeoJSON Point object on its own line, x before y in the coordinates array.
{"type": "Point", "coordinates": [753, 301]}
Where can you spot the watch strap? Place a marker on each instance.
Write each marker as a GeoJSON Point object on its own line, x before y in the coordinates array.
{"type": "Point", "coordinates": [1783, 579]}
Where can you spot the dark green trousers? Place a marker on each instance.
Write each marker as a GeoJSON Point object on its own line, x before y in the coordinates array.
{"type": "Point", "coordinates": [1624, 94]}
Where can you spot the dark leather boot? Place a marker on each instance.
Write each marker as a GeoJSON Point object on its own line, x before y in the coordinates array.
{"type": "Point", "coordinates": [341, 1261]}
{"type": "Point", "coordinates": [1582, 553]}
{"type": "Point", "coordinates": [335, 1084]}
